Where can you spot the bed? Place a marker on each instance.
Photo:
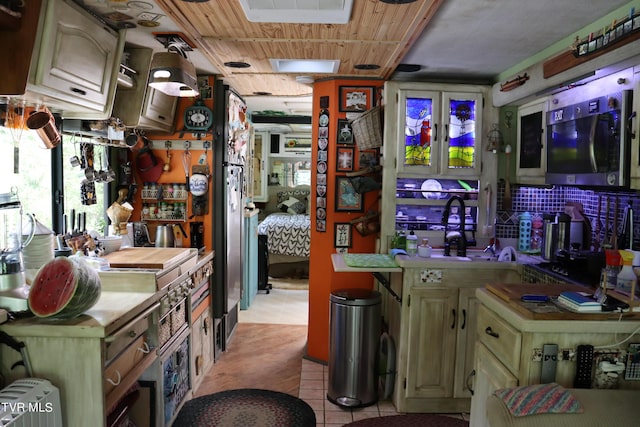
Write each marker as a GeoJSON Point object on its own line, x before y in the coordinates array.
{"type": "Point", "coordinates": [286, 223]}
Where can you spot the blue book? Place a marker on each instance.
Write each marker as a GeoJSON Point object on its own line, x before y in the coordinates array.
{"type": "Point", "coordinates": [578, 298]}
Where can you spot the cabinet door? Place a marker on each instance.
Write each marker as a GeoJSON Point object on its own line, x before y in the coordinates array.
{"type": "Point", "coordinates": [76, 58]}
{"type": "Point", "coordinates": [490, 375]}
{"type": "Point", "coordinates": [634, 123]}
{"type": "Point", "coordinates": [260, 174]}
{"type": "Point", "coordinates": [158, 111]}
{"type": "Point", "coordinates": [431, 342]}
{"type": "Point", "coordinates": [462, 134]}
{"type": "Point", "coordinates": [418, 121]}
{"type": "Point", "coordinates": [532, 159]}
{"type": "Point", "coordinates": [465, 345]}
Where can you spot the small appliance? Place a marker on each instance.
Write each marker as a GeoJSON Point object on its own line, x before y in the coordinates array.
{"type": "Point", "coordinates": [141, 237]}
{"type": "Point", "coordinates": [13, 289]}
{"type": "Point", "coordinates": [588, 143]}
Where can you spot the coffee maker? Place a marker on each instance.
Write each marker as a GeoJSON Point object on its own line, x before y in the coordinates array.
{"type": "Point", "coordinates": [13, 289]}
{"type": "Point", "coordinates": [196, 232]}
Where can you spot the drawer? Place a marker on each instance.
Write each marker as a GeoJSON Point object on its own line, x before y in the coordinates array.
{"type": "Point", "coordinates": [124, 336]}
{"type": "Point", "coordinates": [115, 372]}
{"type": "Point", "coordinates": [501, 339]}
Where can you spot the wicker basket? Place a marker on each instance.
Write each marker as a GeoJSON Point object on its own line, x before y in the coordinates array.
{"type": "Point", "coordinates": [367, 129]}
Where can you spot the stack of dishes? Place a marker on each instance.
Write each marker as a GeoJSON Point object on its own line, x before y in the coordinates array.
{"type": "Point", "coordinates": [40, 250]}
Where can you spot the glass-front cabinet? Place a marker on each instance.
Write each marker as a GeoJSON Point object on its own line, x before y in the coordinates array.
{"type": "Point", "coordinates": [434, 158]}
{"type": "Point", "coordinates": [440, 132]}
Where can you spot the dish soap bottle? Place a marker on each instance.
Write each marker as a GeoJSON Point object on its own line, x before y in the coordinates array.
{"type": "Point", "coordinates": [626, 280]}
{"type": "Point", "coordinates": [424, 250]}
{"type": "Point", "coordinates": [412, 244]}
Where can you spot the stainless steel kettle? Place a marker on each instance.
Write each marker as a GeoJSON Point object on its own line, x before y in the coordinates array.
{"type": "Point", "coordinates": [164, 236]}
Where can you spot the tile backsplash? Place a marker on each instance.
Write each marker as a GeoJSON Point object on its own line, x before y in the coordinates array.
{"type": "Point", "coordinates": [553, 200]}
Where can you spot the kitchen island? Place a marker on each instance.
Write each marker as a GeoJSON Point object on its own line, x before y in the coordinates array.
{"type": "Point", "coordinates": [123, 343]}
{"type": "Point", "coordinates": [511, 339]}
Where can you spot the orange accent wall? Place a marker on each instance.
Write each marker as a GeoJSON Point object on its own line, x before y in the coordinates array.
{"type": "Point", "coordinates": [322, 279]}
{"type": "Point", "coordinates": [176, 173]}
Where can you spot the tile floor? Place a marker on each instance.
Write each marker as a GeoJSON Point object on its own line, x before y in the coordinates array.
{"type": "Point", "coordinates": [268, 308]}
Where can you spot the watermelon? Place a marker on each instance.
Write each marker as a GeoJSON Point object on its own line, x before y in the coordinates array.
{"type": "Point", "coordinates": [64, 288]}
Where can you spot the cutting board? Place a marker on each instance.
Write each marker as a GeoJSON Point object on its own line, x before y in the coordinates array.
{"type": "Point", "coordinates": [511, 292]}
{"type": "Point", "coordinates": [156, 258]}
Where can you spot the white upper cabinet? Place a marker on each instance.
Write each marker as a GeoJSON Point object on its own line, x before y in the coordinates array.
{"type": "Point", "coordinates": [438, 133]}
{"type": "Point", "coordinates": [74, 63]}
{"type": "Point", "coordinates": [531, 147]}
{"type": "Point", "coordinates": [141, 106]}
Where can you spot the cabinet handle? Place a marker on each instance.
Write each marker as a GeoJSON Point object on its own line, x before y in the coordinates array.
{"type": "Point", "coordinates": [490, 332]}
{"type": "Point", "coordinates": [205, 326]}
{"type": "Point", "coordinates": [162, 118]}
{"type": "Point", "coordinates": [446, 133]}
{"type": "Point", "coordinates": [78, 91]}
{"type": "Point", "coordinates": [145, 348]}
{"type": "Point", "coordinates": [468, 381]}
{"type": "Point", "coordinates": [453, 314]}
{"type": "Point", "coordinates": [464, 319]}
{"type": "Point", "coordinates": [116, 382]}
{"type": "Point", "coordinates": [435, 131]}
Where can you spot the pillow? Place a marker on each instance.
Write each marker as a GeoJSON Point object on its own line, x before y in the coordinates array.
{"type": "Point", "coordinates": [298, 194]}
{"type": "Point", "coordinates": [539, 399]}
{"type": "Point", "coordinates": [292, 206]}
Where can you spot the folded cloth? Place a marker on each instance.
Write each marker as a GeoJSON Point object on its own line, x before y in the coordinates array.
{"type": "Point", "coordinates": [369, 260]}
{"type": "Point", "coordinates": [539, 399]}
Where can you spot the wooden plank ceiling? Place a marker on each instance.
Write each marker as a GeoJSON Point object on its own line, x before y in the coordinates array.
{"type": "Point", "coordinates": [377, 33]}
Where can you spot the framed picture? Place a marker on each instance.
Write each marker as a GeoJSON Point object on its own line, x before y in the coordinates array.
{"type": "Point", "coordinates": [345, 133]}
{"type": "Point", "coordinates": [342, 235]}
{"type": "Point", "coordinates": [356, 99]}
{"type": "Point", "coordinates": [367, 158]}
{"type": "Point", "coordinates": [347, 199]}
{"type": "Point", "coordinates": [345, 159]}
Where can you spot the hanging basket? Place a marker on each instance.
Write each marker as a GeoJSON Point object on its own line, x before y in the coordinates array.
{"type": "Point", "coordinates": [367, 129]}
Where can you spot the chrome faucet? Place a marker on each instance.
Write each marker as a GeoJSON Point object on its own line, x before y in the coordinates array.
{"type": "Point", "coordinates": [459, 238]}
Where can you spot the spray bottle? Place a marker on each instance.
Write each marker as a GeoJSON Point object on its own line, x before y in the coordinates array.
{"type": "Point", "coordinates": [627, 279]}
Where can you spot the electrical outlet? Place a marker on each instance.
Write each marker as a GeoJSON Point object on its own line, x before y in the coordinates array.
{"type": "Point", "coordinates": [537, 355]}
{"type": "Point", "coordinates": [568, 354]}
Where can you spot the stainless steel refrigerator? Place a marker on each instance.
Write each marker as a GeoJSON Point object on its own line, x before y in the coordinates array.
{"type": "Point", "coordinates": [231, 142]}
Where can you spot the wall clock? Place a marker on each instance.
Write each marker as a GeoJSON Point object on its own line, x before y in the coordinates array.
{"type": "Point", "coordinates": [198, 116]}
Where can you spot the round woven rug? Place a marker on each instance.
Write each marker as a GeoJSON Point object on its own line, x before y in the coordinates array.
{"type": "Point", "coordinates": [246, 407]}
{"type": "Point", "coordinates": [410, 420]}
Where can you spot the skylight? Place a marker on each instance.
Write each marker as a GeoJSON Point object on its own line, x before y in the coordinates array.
{"type": "Point", "coordinates": [298, 11]}
{"type": "Point", "coordinates": [305, 65]}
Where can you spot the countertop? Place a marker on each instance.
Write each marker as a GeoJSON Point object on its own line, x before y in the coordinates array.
{"type": "Point", "coordinates": [567, 322]}
{"type": "Point", "coordinates": [112, 311]}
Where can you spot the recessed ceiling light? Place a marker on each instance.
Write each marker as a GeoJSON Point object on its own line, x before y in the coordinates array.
{"type": "Point", "coordinates": [366, 66]}
{"type": "Point", "coordinates": [305, 65]}
{"type": "Point", "coordinates": [408, 68]}
{"type": "Point", "coordinates": [397, 1]}
{"type": "Point", "coordinates": [304, 79]}
{"type": "Point", "coordinates": [262, 93]}
{"type": "Point", "coordinates": [237, 64]}
{"type": "Point", "coordinates": [195, 1]}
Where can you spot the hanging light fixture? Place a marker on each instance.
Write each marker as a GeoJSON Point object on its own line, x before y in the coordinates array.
{"type": "Point", "coordinates": [172, 73]}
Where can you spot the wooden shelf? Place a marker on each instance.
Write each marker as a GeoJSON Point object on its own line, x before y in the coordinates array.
{"type": "Point", "coordinates": [567, 60]}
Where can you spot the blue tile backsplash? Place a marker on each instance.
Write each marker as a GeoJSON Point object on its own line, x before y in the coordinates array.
{"type": "Point", "coordinates": [553, 200]}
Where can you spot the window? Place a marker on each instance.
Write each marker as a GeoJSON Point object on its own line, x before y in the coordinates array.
{"type": "Point", "coordinates": [36, 185]}
{"type": "Point", "coordinates": [291, 172]}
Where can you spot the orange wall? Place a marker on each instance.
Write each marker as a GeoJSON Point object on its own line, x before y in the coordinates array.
{"type": "Point", "coordinates": [322, 279]}
{"type": "Point", "coordinates": [176, 174]}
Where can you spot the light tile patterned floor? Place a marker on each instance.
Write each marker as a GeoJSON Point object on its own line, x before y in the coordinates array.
{"type": "Point", "coordinates": [269, 308]}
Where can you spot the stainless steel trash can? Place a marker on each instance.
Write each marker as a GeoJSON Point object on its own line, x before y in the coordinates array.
{"type": "Point", "coordinates": [355, 326]}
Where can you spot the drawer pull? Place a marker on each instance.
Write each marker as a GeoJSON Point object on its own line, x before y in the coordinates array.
{"type": "Point", "coordinates": [132, 334]}
{"type": "Point", "coordinates": [116, 382]}
{"type": "Point", "coordinates": [490, 332]}
{"type": "Point", "coordinates": [469, 382]}
{"type": "Point", "coordinates": [145, 348]}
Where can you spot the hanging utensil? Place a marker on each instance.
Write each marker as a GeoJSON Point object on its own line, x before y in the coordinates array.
{"type": "Point", "coordinates": [16, 123]}
{"type": "Point", "coordinates": [606, 244]}
{"type": "Point", "coordinates": [167, 164]}
{"type": "Point", "coordinates": [506, 200]}
{"type": "Point", "coordinates": [596, 242]}
{"type": "Point", "coordinates": [614, 233]}
{"type": "Point", "coordinates": [186, 162]}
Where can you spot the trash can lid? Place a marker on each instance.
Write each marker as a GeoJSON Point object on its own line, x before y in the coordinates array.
{"type": "Point", "coordinates": [356, 296]}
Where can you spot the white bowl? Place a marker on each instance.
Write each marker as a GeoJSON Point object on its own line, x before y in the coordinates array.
{"type": "Point", "coordinates": [111, 243]}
